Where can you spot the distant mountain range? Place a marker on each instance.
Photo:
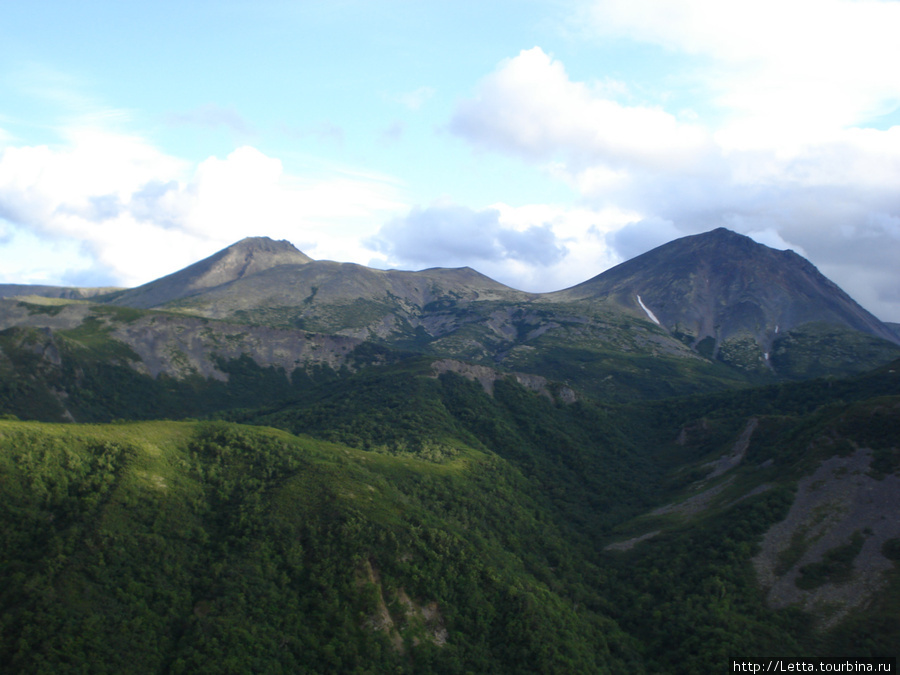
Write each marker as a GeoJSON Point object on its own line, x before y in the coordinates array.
{"type": "Point", "coordinates": [719, 285]}
{"type": "Point", "coordinates": [243, 259]}
{"type": "Point", "coordinates": [710, 311]}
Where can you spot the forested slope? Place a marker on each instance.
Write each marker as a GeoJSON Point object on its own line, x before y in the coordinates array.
{"type": "Point", "coordinates": [402, 521]}
{"type": "Point", "coordinates": [185, 547]}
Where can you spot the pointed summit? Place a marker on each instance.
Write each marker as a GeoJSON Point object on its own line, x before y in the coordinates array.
{"type": "Point", "coordinates": [244, 258]}
{"type": "Point", "coordinates": [721, 285]}
{"type": "Point", "coordinates": [249, 256]}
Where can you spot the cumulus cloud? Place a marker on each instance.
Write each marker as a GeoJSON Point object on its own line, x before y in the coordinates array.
{"type": "Point", "coordinates": [795, 174]}
{"type": "Point", "coordinates": [641, 236]}
{"type": "Point", "coordinates": [127, 213]}
{"type": "Point", "coordinates": [773, 239]}
{"type": "Point", "coordinates": [530, 107]}
{"type": "Point", "coordinates": [456, 235]}
{"type": "Point", "coordinates": [536, 247]}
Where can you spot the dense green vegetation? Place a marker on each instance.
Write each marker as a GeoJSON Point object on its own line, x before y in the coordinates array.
{"type": "Point", "coordinates": [817, 350]}
{"type": "Point", "coordinates": [174, 547]}
{"type": "Point", "coordinates": [387, 520]}
{"type": "Point", "coordinates": [580, 459]}
{"type": "Point", "coordinates": [691, 598]}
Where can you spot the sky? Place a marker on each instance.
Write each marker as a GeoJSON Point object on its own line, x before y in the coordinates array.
{"type": "Point", "coordinates": [540, 142]}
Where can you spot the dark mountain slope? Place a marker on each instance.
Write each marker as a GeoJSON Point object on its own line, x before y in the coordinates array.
{"type": "Point", "coordinates": [804, 480]}
{"type": "Point", "coordinates": [723, 285]}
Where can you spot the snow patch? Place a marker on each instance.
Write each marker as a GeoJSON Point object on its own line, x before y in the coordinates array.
{"type": "Point", "coordinates": [650, 314]}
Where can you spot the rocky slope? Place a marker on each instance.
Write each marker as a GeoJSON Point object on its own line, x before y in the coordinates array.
{"type": "Point", "coordinates": [247, 257]}
{"type": "Point", "coordinates": [833, 552]}
{"type": "Point", "coordinates": [662, 324]}
{"type": "Point", "coordinates": [722, 294]}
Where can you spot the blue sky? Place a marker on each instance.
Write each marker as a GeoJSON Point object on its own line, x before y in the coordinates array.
{"type": "Point", "coordinates": [538, 141]}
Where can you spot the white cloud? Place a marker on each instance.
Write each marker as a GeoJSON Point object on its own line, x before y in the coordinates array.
{"type": "Point", "coordinates": [530, 107]}
{"type": "Point", "coordinates": [783, 68]}
{"type": "Point", "coordinates": [136, 213]}
{"type": "Point", "coordinates": [36, 180]}
{"type": "Point", "coordinates": [61, 262]}
{"type": "Point", "coordinates": [823, 188]}
{"type": "Point", "coordinates": [772, 238]}
{"type": "Point", "coordinates": [583, 232]}
{"type": "Point", "coordinates": [641, 236]}
{"type": "Point", "coordinates": [450, 235]}
{"type": "Point", "coordinates": [536, 247]}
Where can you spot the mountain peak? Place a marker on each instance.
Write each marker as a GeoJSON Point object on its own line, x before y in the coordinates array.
{"type": "Point", "coordinates": [243, 258]}
{"type": "Point", "coordinates": [721, 238]}
{"type": "Point", "coordinates": [723, 285]}
{"type": "Point", "coordinates": [267, 245]}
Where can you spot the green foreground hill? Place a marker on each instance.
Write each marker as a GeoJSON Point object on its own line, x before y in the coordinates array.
{"type": "Point", "coordinates": [210, 547]}
{"type": "Point", "coordinates": [413, 523]}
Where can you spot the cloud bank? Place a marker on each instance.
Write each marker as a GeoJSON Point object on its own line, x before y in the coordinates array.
{"type": "Point", "coordinates": [456, 236]}
{"type": "Point", "coordinates": [829, 192]}
{"type": "Point", "coordinates": [127, 213]}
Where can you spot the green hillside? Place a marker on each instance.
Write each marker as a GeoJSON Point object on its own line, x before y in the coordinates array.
{"type": "Point", "coordinates": [402, 522]}
{"type": "Point", "coordinates": [194, 547]}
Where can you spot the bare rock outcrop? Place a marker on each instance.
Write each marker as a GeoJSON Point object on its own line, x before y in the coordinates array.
{"type": "Point", "coordinates": [836, 503]}
{"type": "Point", "coordinates": [180, 346]}
{"type": "Point", "coordinates": [486, 377]}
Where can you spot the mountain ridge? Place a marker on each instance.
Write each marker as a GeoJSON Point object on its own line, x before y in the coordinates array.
{"type": "Point", "coordinates": [702, 268]}
{"type": "Point", "coordinates": [686, 306]}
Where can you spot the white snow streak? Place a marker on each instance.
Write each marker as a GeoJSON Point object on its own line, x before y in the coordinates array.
{"type": "Point", "coordinates": [649, 313]}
